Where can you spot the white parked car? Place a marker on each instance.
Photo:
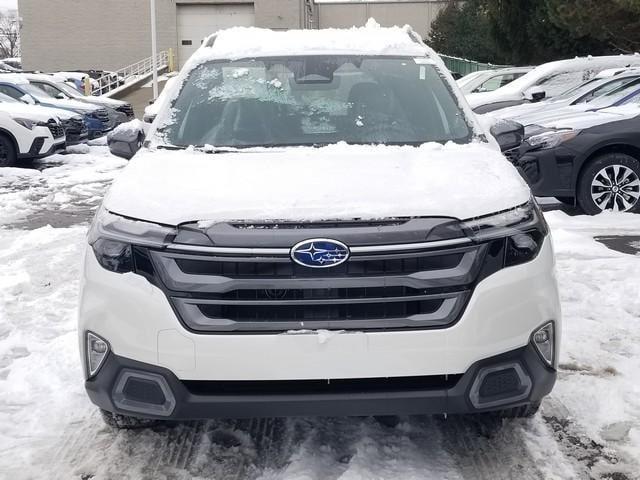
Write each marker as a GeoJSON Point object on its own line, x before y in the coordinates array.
{"type": "Point", "coordinates": [28, 132]}
{"type": "Point", "coordinates": [547, 81]}
{"type": "Point", "coordinates": [317, 226]}
{"type": "Point", "coordinates": [604, 84]}
{"type": "Point", "coordinates": [490, 80]}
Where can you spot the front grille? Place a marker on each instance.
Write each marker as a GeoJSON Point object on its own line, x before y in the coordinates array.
{"type": "Point", "coordinates": [102, 115]}
{"type": "Point", "coordinates": [127, 110]}
{"type": "Point", "coordinates": [369, 266]}
{"type": "Point", "coordinates": [374, 290]}
{"type": "Point", "coordinates": [56, 129]}
{"type": "Point", "coordinates": [74, 126]}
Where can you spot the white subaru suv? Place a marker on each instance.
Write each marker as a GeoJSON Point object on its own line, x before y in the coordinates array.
{"type": "Point", "coordinates": [317, 225]}
{"type": "Point", "coordinates": [28, 132]}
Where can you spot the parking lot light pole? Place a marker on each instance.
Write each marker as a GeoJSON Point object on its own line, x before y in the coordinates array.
{"type": "Point", "coordinates": [154, 49]}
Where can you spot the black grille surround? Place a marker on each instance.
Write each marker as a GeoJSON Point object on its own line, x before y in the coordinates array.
{"type": "Point", "coordinates": [57, 130]}
{"type": "Point", "coordinates": [127, 110]}
{"type": "Point", "coordinates": [422, 288]}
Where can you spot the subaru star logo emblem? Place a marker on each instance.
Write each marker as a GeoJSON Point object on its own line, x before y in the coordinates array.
{"type": "Point", "coordinates": [320, 253]}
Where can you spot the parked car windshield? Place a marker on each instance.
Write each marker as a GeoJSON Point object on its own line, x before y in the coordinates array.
{"type": "Point", "coordinates": [68, 90]}
{"type": "Point", "coordinates": [593, 89]}
{"type": "Point", "coordinates": [315, 100]}
{"type": "Point", "coordinates": [616, 96]}
{"type": "Point", "coordinates": [35, 92]}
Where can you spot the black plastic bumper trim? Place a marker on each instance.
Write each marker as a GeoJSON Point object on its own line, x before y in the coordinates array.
{"type": "Point", "coordinates": [191, 404]}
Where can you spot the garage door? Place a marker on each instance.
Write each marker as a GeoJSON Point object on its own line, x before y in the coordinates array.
{"type": "Point", "coordinates": [196, 22]}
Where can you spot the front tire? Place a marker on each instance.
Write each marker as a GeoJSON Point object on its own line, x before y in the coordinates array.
{"type": "Point", "coordinates": [125, 422]}
{"type": "Point", "coordinates": [610, 182]}
{"type": "Point", "coordinates": [8, 156]}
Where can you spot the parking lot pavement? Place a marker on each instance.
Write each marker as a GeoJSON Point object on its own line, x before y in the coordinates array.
{"type": "Point", "coordinates": [589, 427]}
{"type": "Point", "coordinates": [141, 97]}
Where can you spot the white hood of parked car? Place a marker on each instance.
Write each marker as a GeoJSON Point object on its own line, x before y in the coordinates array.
{"type": "Point", "coordinates": [329, 183]}
{"type": "Point", "coordinates": [32, 112]}
{"type": "Point", "coordinates": [581, 120]}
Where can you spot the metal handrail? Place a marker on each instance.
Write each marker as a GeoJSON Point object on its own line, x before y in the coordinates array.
{"type": "Point", "coordinates": [130, 73]}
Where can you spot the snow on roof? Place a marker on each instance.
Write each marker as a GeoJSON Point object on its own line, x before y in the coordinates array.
{"type": "Point", "coordinates": [242, 42]}
{"type": "Point", "coordinates": [15, 78]}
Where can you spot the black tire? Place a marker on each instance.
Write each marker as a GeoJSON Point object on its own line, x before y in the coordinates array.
{"type": "Point", "coordinates": [607, 162]}
{"type": "Point", "coordinates": [8, 156]}
{"type": "Point", "coordinates": [569, 201]}
{"type": "Point", "coordinates": [125, 422]}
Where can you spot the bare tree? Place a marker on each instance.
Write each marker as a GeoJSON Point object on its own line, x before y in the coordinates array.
{"type": "Point", "coordinates": [9, 35]}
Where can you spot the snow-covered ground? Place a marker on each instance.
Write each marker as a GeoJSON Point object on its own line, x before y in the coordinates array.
{"type": "Point", "coordinates": [589, 427]}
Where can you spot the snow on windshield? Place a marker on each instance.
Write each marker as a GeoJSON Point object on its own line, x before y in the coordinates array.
{"type": "Point", "coordinates": [311, 100]}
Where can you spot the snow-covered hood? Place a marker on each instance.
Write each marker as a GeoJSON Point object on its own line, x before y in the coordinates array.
{"type": "Point", "coordinates": [580, 120]}
{"type": "Point", "coordinates": [32, 112]}
{"type": "Point", "coordinates": [72, 105]}
{"type": "Point", "coordinates": [330, 183]}
{"type": "Point", "coordinates": [102, 100]}
{"type": "Point", "coordinates": [519, 111]}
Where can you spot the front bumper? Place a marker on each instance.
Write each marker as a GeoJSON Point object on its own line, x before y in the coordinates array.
{"type": "Point", "coordinates": [43, 147]}
{"type": "Point", "coordinates": [114, 390]}
{"type": "Point", "coordinates": [550, 172]}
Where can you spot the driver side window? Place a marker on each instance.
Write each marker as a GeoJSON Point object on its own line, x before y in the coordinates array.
{"type": "Point", "coordinates": [12, 92]}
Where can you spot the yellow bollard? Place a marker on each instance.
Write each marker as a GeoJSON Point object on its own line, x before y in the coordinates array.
{"type": "Point", "coordinates": [172, 64]}
{"type": "Point", "coordinates": [87, 86]}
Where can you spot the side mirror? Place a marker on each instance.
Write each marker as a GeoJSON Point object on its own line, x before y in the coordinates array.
{"type": "Point", "coordinates": [28, 99]}
{"type": "Point", "coordinates": [535, 94]}
{"type": "Point", "coordinates": [125, 142]}
{"type": "Point", "coordinates": [508, 134]}
{"type": "Point", "coordinates": [61, 96]}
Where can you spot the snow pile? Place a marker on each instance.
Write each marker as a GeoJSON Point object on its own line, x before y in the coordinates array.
{"type": "Point", "coordinates": [74, 179]}
{"type": "Point", "coordinates": [330, 183]}
{"type": "Point", "coordinates": [600, 359]}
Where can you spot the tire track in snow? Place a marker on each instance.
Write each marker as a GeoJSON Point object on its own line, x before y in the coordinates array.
{"type": "Point", "coordinates": [487, 448]}
{"type": "Point", "coordinates": [592, 459]}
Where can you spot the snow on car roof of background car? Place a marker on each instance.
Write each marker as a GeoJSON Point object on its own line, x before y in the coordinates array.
{"type": "Point", "coordinates": [572, 64]}
{"type": "Point", "coordinates": [15, 78]}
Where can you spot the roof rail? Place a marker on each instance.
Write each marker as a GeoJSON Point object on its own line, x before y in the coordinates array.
{"type": "Point", "coordinates": [413, 35]}
{"type": "Point", "coordinates": [211, 40]}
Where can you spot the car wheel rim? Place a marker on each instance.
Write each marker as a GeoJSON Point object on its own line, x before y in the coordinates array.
{"type": "Point", "coordinates": [616, 188]}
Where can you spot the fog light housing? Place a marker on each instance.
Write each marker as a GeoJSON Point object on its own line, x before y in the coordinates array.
{"type": "Point", "coordinates": [97, 351]}
{"type": "Point", "coordinates": [544, 341]}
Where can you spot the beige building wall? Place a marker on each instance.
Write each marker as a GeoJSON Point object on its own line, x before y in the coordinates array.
{"type": "Point", "coordinates": [111, 34]}
{"type": "Point", "coordinates": [86, 34]}
{"type": "Point", "coordinates": [419, 14]}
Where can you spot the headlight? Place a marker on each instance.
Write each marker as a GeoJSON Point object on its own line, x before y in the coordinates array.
{"type": "Point", "coordinates": [26, 123]}
{"type": "Point", "coordinates": [523, 227]}
{"type": "Point", "coordinates": [112, 238]}
{"type": "Point", "coordinates": [552, 139]}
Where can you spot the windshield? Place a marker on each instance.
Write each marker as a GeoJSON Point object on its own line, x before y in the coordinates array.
{"type": "Point", "coordinates": [578, 90]}
{"type": "Point", "coordinates": [35, 92]}
{"type": "Point", "coordinates": [615, 96]}
{"type": "Point", "coordinates": [315, 100]}
{"type": "Point", "coordinates": [70, 91]}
